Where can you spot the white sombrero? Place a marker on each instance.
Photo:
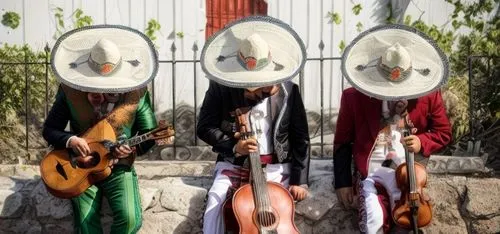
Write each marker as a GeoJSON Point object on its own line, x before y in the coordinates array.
{"type": "Point", "coordinates": [392, 62]}
{"type": "Point", "coordinates": [104, 59]}
{"type": "Point", "coordinates": [255, 51]}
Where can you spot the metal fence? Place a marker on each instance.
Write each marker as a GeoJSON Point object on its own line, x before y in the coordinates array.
{"type": "Point", "coordinates": [476, 85]}
{"type": "Point", "coordinates": [195, 60]}
{"type": "Point", "coordinates": [173, 62]}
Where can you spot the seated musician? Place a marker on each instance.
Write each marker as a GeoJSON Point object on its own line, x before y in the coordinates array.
{"type": "Point", "coordinates": [103, 73]}
{"type": "Point", "coordinates": [396, 74]}
{"type": "Point", "coordinates": [250, 64]}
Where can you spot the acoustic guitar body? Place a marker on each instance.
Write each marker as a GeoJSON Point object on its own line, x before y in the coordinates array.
{"type": "Point", "coordinates": [281, 220]}
{"type": "Point", "coordinates": [64, 178]}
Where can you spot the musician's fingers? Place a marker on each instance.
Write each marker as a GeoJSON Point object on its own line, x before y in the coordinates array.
{"type": "Point", "coordinates": [301, 196]}
{"type": "Point", "coordinates": [86, 147]}
{"type": "Point", "coordinates": [81, 150]}
{"type": "Point", "coordinates": [252, 148]}
{"type": "Point", "coordinates": [349, 199]}
{"type": "Point", "coordinates": [119, 150]}
{"type": "Point", "coordinates": [237, 135]}
{"type": "Point", "coordinates": [343, 201]}
{"type": "Point", "coordinates": [126, 149]}
{"type": "Point", "coordinates": [83, 147]}
{"type": "Point", "coordinates": [251, 141]}
{"type": "Point", "coordinates": [411, 148]}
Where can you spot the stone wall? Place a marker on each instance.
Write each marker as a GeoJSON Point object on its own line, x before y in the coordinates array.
{"type": "Point", "coordinates": [173, 194]}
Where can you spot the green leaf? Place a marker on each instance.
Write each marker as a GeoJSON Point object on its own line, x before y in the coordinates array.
{"type": "Point", "coordinates": [407, 20]}
{"type": "Point", "coordinates": [479, 26]}
{"type": "Point", "coordinates": [11, 19]}
{"type": "Point", "coordinates": [78, 13]}
{"type": "Point", "coordinates": [61, 23]}
{"type": "Point", "coordinates": [356, 9]}
{"type": "Point", "coordinates": [153, 27]}
{"type": "Point", "coordinates": [334, 18]}
{"type": "Point", "coordinates": [456, 24]}
{"type": "Point", "coordinates": [359, 27]}
{"type": "Point", "coordinates": [342, 46]}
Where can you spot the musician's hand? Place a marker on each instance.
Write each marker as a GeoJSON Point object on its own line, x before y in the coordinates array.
{"type": "Point", "coordinates": [245, 147]}
{"type": "Point", "coordinates": [122, 151]}
{"type": "Point", "coordinates": [85, 161]}
{"type": "Point", "coordinates": [112, 162]}
{"type": "Point", "coordinates": [346, 197]}
{"type": "Point", "coordinates": [413, 143]}
{"type": "Point", "coordinates": [298, 193]}
{"type": "Point", "coordinates": [79, 145]}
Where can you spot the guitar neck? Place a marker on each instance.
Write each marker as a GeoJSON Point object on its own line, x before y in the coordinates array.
{"type": "Point", "coordinates": [137, 139]}
{"type": "Point", "coordinates": [259, 182]}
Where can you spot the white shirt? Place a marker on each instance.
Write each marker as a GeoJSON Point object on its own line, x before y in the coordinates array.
{"type": "Point", "coordinates": [265, 139]}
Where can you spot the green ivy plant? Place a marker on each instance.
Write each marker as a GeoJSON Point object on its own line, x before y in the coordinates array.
{"type": "Point", "coordinates": [81, 20]}
{"type": "Point", "coordinates": [359, 27]}
{"type": "Point", "coordinates": [482, 38]}
{"type": "Point", "coordinates": [334, 17]}
{"type": "Point", "coordinates": [59, 17]}
{"type": "Point", "coordinates": [78, 17]}
{"type": "Point", "coordinates": [13, 83]}
{"type": "Point", "coordinates": [356, 9]}
{"type": "Point", "coordinates": [153, 27]}
{"type": "Point", "coordinates": [11, 19]}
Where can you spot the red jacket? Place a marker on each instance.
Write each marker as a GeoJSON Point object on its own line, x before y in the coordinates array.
{"type": "Point", "coordinates": [359, 119]}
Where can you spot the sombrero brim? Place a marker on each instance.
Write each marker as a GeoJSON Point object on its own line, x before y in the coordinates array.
{"type": "Point", "coordinates": [371, 45]}
{"type": "Point", "coordinates": [286, 48]}
{"type": "Point", "coordinates": [75, 47]}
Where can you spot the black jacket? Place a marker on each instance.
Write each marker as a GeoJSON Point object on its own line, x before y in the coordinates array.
{"type": "Point", "coordinates": [290, 130]}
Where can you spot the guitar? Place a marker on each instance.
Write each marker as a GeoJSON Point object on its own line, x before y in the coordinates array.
{"type": "Point", "coordinates": [261, 206]}
{"type": "Point", "coordinates": [64, 177]}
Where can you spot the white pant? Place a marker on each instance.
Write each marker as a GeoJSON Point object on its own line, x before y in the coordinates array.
{"type": "Point", "coordinates": [213, 222]}
{"type": "Point", "coordinates": [372, 215]}
{"type": "Point", "coordinates": [371, 212]}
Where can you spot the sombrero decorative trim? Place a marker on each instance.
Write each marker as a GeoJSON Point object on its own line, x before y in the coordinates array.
{"type": "Point", "coordinates": [104, 59]}
{"type": "Point", "coordinates": [275, 53]}
{"type": "Point", "coordinates": [393, 62]}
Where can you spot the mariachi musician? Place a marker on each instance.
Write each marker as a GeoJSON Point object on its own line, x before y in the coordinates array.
{"type": "Point", "coordinates": [396, 72]}
{"type": "Point", "coordinates": [250, 64]}
{"type": "Point", "coordinates": [103, 72]}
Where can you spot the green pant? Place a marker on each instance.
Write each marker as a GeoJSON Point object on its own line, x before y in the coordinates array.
{"type": "Point", "coordinates": [122, 191]}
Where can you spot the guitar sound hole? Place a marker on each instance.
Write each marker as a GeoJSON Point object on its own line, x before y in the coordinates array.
{"type": "Point", "coordinates": [90, 161]}
{"type": "Point", "coordinates": [266, 218]}
{"type": "Point", "coordinates": [60, 170]}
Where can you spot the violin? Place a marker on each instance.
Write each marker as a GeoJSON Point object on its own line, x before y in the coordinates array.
{"type": "Point", "coordinates": [261, 207]}
{"type": "Point", "coordinates": [414, 209]}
